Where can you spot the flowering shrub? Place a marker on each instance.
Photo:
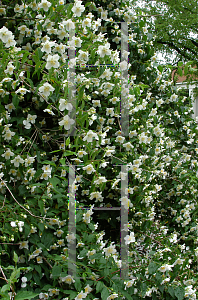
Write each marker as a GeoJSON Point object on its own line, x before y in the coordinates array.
{"type": "Point", "coordinates": [49, 130]}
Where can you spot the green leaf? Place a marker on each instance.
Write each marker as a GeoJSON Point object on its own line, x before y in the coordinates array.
{"type": "Point", "coordinates": [15, 100]}
{"type": "Point", "coordinates": [83, 253]}
{"type": "Point", "coordinates": [179, 70]}
{"type": "Point", "coordinates": [105, 293]}
{"type": "Point", "coordinates": [68, 141]}
{"type": "Point", "coordinates": [78, 285]}
{"type": "Point", "coordinates": [41, 225]}
{"type": "Point", "coordinates": [38, 269]}
{"type": "Point", "coordinates": [25, 55]}
{"type": "Point", "coordinates": [24, 295]}
{"type": "Point", "coordinates": [127, 296]}
{"type": "Point", "coordinates": [15, 257]}
{"type": "Point", "coordinates": [81, 92]}
{"type": "Point", "coordinates": [186, 70]}
{"type": "Point", "coordinates": [102, 261]}
{"type": "Point", "coordinates": [67, 153]}
{"type": "Point", "coordinates": [6, 287]}
{"type": "Point", "coordinates": [189, 63]}
{"type": "Point", "coordinates": [69, 12]}
{"type": "Point", "coordinates": [54, 181]}
{"type": "Point", "coordinates": [4, 58]}
{"type": "Point", "coordinates": [152, 268]}
{"type": "Point", "coordinates": [179, 293]}
{"type": "Point", "coordinates": [160, 68]}
{"type": "Point", "coordinates": [56, 271]}
{"type": "Point", "coordinates": [15, 274]}
{"type": "Point", "coordinates": [99, 286]}
{"type": "Point", "coordinates": [47, 239]}
{"type": "Point", "coordinates": [143, 288]}
{"type": "Point", "coordinates": [171, 291]}
{"type": "Point", "coordinates": [30, 82]}
{"type": "Point", "coordinates": [48, 162]}
{"type": "Point", "coordinates": [180, 63]}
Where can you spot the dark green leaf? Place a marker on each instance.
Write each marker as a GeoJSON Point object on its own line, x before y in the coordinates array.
{"type": "Point", "coordinates": [56, 271]}
{"type": "Point", "coordinates": [179, 293]}
{"type": "Point", "coordinates": [152, 268]}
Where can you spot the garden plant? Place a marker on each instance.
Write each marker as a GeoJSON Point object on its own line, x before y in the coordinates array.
{"type": "Point", "coordinates": [89, 120]}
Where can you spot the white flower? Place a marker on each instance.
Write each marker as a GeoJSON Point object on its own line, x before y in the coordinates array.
{"type": "Point", "coordinates": [113, 296]}
{"type": "Point", "coordinates": [104, 50]}
{"type": "Point", "coordinates": [123, 65]}
{"type": "Point", "coordinates": [52, 61]}
{"type": "Point", "coordinates": [81, 153]}
{"type": "Point", "coordinates": [37, 252]}
{"type": "Point", "coordinates": [81, 295]}
{"type": "Point", "coordinates": [69, 24]}
{"type": "Point", "coordinates": [126, 202]}
{"type": "Point", "coordinates": [5, 34]}
{"type": "Point", "coordinates": [106, 74]}
{"type": "Point", "coordinates": [64, 105]}
{"type": "Point", "coordinates": [89, 168]}
{"type": "Point", "coordinates": [10, 107]}
{"type": "Point", "coordinates": [128, 146]}
{"type": "Point", "coordinates": [86, 22]}
{"type": "Point", "coordinates": [46, 89]}
{"type": "Point", "coordinates": [17, 160]}
{"type": "Point", "coordinates": [13, 224]}
{"type": "Point", "coordinates": [129, 238]}
{"type": "Point", "coordinates": [43, 296]}
{"type": "Point", "coordinates": [24, 280]}
{"type": "Point", "coordinates": [165, 268]}
{"type": "Point", "coordinates": [47, 169]}
{"type": "Point", "coordinates": [59, 232]}
{"type": "Point", "coordinates": [22, 91]}
{"type": "Point", "coordinates": [104, 14]}
{"type": "Point", "coordinates": [26, 124]}
{"type": "Point", "coordinates": [70, 238]}
{"type": "Point", "coordinates": [47, 46]}
{"type": "Point", "coordinates": [20, 224]}
{"type": "Point", "coordinates": [68, 279]}
{"type": "Point", "coordinates": [39, 259]}
{"type": "Point", "coordinates": [45, 5]}
{"type": "Point", "coordinates": [23, 244]}
{"type": "Point", "coordinates": [88, 289]}
{"type": "Point", "coordinates": [7, 154]}
{"type": "Point", "coordinates": [53, 292]}
{"type": "Point", "coordinates": [10, 68]}
{"type": "Point", "coordinates": [83, 56]}
{"type": "Point", "coordinates": [8, 135]}
{"type": "Point", "coordinates": [49, 111]}
{"type": "Point", "coordinates": [78, 8]}
{"type": "Point", "coordinates": [66, 122]}
{"type": "Point", "coordinates": [29, 160]}
{"type": "Point", "coordinates": [120, 139]}
{"type": "Point", "coordinates": [110, 250]}
{"type": "Point", "coordinates": [89, 136]}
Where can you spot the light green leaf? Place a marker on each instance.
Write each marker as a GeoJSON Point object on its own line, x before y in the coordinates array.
{"type": "Point", "coordinates": [180, 63]}
{"type": "Point", "coordinates": [6, 287]}
{"type": "Point", "coordinates": [24, 295]}
{"type": "Point", "coordinates": [15, 257]}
